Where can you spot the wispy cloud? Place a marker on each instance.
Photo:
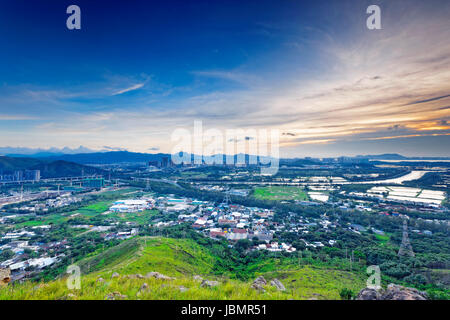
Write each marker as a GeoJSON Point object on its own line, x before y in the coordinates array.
{"type": "Point", "coordinates": [132, 88]}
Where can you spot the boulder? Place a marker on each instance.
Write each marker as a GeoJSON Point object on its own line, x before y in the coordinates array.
{"type": "Point", "coordinates": [368, 294]}
{"type": "Point", "coordinates": [259, 284]}
{"type": "Point", "coordinates": [115, 275]}
{"type": "Point", "coordinates": [393, 292]}
{"type": "Point", "coordinates": [198, 278]}
{"type": "Point", "coordinates": [277, 284]}
{"type": "Point", "coordinates": [209, 283]}
{"type": "Point", "coordinates": [144, 287]}
{"type": "Point", "coordinates": [158, 275]}
{"type": "Point", "coordinates": [5, 276]}
{"type": "Point", "coordinates": [115, 296]}
{"type": "Point", "coordinates": [396, 292]}
{"type": "Point", "coordinates": [100, 280]}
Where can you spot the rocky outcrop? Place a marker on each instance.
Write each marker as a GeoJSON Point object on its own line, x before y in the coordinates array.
{"type": "Point", "coordinates": [368, 294]}
{"type": "Point", "coordinates": [396, 292]}
{"type": "Point", "coordinates": [259, 284]}
{"type": "Point", "coordinates": [393, 292]}
{"type": "Point", "coordinates": [115, 296]}
{"type": "Point", "coordinates": [5, 276]}
{"type": "Point", "coordinates": [277, 284]}
{"type": "Point", "coordinates": [158, 275]}
{"type": "Point", "coordinates": [198, 278]}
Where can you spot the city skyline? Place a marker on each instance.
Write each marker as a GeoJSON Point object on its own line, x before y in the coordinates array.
{"type": "Point", "coordinates": [313, 71]}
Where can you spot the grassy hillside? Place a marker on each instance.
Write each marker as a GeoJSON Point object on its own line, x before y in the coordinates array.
{"type": "Point", "coordinates": [182, 259]}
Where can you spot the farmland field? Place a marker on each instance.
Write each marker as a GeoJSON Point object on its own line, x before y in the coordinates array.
{"type": "Point", "coordinates": [280, 193]}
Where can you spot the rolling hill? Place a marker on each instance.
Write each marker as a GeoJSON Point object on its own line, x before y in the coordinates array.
{"type": "Point", "coordinates": [49, 169]}
{"type": "Point", "coordinates": [165, 268]}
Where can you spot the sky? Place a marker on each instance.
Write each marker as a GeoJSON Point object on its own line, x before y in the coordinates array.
{"type": "Point", "coordinates": [138, 70]}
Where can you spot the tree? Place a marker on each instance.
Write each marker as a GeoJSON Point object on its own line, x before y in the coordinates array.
{"type": "Point", "coordinates": [242, 245]}
{"type": "Point", "coordinates": [7, 254]}
{"type": "Point", "coordinates": [346, 294]}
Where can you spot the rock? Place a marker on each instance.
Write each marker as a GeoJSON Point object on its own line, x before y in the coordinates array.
{"type": "Point", "coordinates": [209, 283]}
{"type": "Point", "coordinates": [100, 280]}
{"type": "Point", "coordinates": [5, 276]}
{"type": "Point", "coordinates": [115, 296]}
{"type": "Point", "coordinates": [277, 284]}
{"type": "Point", "coordinates": [151, 274]}
{"type": "Point", "coordinates": [393, 292]}
{"type": "Point", "coordinates": [183, 289]}
{"type": "Point", "coordinates": [144, 286]}
{"type": "Point", "coordinates": [368, 294]}
{"type": "Point", "coordinates": [158, 275]}
{"type": "Point", "coordinates": [115, 275]}
{"type": "Point", "coordinates": [396, 292]}
{"type": "Point", "coordinates": [259, 284]}
{"type": "Point", "coordinates": [197, 277]}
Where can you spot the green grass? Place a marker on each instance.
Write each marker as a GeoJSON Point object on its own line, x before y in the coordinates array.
{"type": "Point", "coordinates": [182, 259]}
{"type": "Point", "coordinates": [173, 257]}
{"type": "Point", "coordinates": [382, 238]}
{"type": "Point", "coordinates": [280, 193]}
{"type": "Point", "coordinates": [96, 208]}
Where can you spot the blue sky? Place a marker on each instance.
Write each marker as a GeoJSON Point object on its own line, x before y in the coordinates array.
{"type": "Point", "coordinates": [137, 70]}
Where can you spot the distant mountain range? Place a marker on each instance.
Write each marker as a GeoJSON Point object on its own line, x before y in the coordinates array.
{"type": "Point", "coordinates": [84, 155]}
{"type": "Point", "coordinates": [107, 157]}
{"type": "Point", "coordinates": [38, 152]}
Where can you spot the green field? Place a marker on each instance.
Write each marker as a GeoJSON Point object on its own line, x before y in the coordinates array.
{"type": "Point", "coordinates": [280, 193]}
{"type": "Point", "coordinates": [94, 209]}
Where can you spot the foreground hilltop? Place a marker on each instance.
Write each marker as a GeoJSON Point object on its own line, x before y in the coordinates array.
{"type": "Point", "coordinates": [165, 268]}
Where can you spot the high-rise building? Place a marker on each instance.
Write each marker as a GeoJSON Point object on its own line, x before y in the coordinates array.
{"type": "Point", "coordinates": [166, 162]}
{"type": "Point", "coordinates": [32, 175]}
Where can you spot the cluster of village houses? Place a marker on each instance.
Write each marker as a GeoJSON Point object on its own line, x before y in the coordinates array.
{"type": "Point", "coordinates": [62, 200]}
